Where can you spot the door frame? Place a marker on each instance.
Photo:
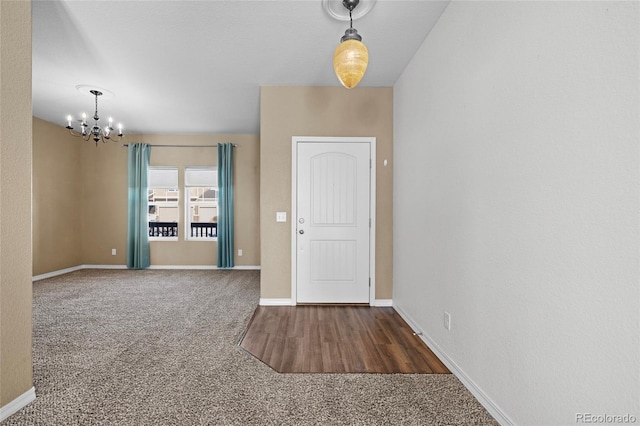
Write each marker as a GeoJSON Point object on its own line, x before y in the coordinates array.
{"type": "Point", "coordinates": [295, 140]}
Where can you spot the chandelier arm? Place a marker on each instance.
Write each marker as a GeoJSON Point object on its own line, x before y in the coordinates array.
{"type": "Point", "coordinates": [74, 132]}
{"type": "Point", "coordinates": [115, 137]}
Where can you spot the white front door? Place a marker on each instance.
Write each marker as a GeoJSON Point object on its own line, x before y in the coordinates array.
{"type": "Point", "coordinates": [332, 222]}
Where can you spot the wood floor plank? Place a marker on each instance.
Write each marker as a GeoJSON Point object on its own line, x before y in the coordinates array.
{"type": "Point", "coordinates": [337, 339]}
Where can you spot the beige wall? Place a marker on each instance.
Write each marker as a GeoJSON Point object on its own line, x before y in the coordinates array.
{"type": "Point", "coordinates": [104, 201]}
{"type": "Point", "coordinates": [319, 111]}
{"type": "Point", "coordinates": [246, 181]}
{"type": "Point", "coordinates": [80, 199]}
{"type": "Point", "coordinates": [16, 375]}
{"type": "Point", "coordinates": [57, 210]}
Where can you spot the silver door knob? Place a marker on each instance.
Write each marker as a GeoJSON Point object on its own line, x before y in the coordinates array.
{"type": "Point", "coordinates": [301, 231]}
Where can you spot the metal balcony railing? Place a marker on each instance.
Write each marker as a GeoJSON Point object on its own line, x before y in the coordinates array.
{"type": "Point", "coordinates": [163, 229]}
{"type": "Point", "coordinates": [170, 229]}
{"type": "Point", "coordinates": [204, 229]}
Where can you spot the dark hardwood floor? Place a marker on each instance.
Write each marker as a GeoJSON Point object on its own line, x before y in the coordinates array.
{"type": "Point", "coordinates": [337, 339]}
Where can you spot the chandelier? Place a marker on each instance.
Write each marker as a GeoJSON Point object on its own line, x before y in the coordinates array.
{"type": "Point", "coordinates": [351, 57]}
{"type": "Point", "coordinates": [104, 134]}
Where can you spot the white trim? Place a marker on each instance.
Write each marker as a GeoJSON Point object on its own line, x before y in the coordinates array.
{"type": "Point", "coordinates": [382, 303]}
{"type": "Point", "coordinates": [73, 269]}
{"type": "Point", "coordinates": [80, 267]}
{"type": "Point", "coordinates": [373, 178]}
{"type": "Point", "coordinates": [294, 215]}
{"type": "Point", "coordinates": [56, 273]}
{"type": "Point", "coordinates": [246, 267]}
{"type": "Point", "coordinates": [205, 267]}
{"type": "Point", "coordinates": [103, 266]}
{"type": "Point", "coordinates": [372, 206]}
{"type": "Point", "coordinates": [477, 392]}
{"type": "Point", "coordinates": [276, 302]}
{"type": "Point", "coordinates": [18, 403]}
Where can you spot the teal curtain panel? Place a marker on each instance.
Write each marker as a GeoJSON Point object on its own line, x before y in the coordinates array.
{"type": "Point", "coordinates": [225, 206]}
{"type": "Point", "coordinates": [138, 256]}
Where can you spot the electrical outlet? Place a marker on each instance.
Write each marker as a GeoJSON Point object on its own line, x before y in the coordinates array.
{"type": "Point", "coordinates": [113, 252]}
{"type": "Point", "coordinates": [447, 320]}
{"type": "Point", "coordinates": [239, 252]}
{"type": "Point", "coordinates": [281, 216]}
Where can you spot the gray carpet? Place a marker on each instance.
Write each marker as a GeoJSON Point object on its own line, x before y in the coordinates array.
{"type": "Point", "coordinates": [160, 348]}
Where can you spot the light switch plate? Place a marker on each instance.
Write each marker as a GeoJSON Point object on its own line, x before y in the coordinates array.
{"type": "Point", "coordinates": [281, 216]}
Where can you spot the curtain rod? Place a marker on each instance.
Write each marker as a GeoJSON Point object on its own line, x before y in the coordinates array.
{"type": "Point", "coordinates": [124, 145]}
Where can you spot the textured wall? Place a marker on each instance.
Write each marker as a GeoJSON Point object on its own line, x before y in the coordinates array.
{"type": "Point", "coordinates": [105, 199]}
{"type": "Point", "coordinates": [57, 198]}
{"type": "Point", "coordinates": [16, 375]}
{"type": "Point", "coordinates": [516, 202]}
{"type": "Point", "coordinates": [319, 111]}
{"type": "Point", "coordinates": [246, 197]}
{"type": "Point", "coordinates": [80, 199]}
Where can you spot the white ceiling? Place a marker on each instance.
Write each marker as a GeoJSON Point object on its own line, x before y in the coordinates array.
{"type": "Point", "coordinates": [197, 66]}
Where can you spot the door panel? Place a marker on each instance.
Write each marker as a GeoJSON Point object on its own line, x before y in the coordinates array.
{"type": "Point", "coordinates": [333, 185]}
{"type": "Point", "coordinates": [333, 190]}
{"type": "Point", "coordinates": [333, 261]}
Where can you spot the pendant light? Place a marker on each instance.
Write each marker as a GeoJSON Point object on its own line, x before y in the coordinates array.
{"type": "Point", "coordinates": [351, 57]}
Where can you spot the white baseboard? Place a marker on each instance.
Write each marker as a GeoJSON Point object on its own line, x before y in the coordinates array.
{"type": "Point", "coordinates": [56, 273]}
{"type": "Point", "coordinates": [103, 266]}
{"type": "Point", "coordinates": [207, 267]}
{"type": "Point", "coordinates": [248, 267]}
{"type": "Point", "coordinates": [276, 302]}
{"type": "Point", "coordinates": [382, 303]}
{"type": "Point", "coordinates": [79, 267]}
{"type": "Point", "coordinates": [200, 267]}
{"type": "Point", "coordinates": [483, 398]}
{"type": "Point", "coordinates": [18, 403]}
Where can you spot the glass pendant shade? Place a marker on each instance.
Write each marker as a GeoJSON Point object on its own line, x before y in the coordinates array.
{"type": "Point", "coordinates": [350, 62]}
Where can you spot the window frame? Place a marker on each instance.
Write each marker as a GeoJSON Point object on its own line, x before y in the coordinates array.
{"type": "Point", "coordinates": [158, 204]}
{"type": "Point", "coordinates": [188, 203]}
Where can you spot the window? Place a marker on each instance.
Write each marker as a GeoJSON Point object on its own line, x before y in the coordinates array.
{"type": "Point", "coordinates": [163, 203]}
{"type": "Point", "coordinates": [201, 187]}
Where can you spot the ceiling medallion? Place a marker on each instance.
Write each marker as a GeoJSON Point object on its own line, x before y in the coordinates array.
{"type": "Point", "coordinates": [336, 10]}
